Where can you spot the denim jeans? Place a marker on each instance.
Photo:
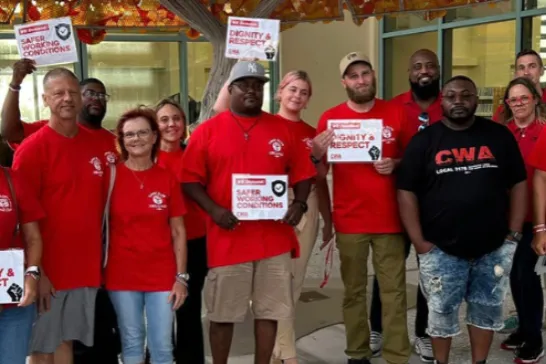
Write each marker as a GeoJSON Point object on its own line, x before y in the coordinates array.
{"type": "Point", "coordinates": [130, 307]}
{"type": "Point", "coordinates": [15, 328]}
{"type": "Point", "coordinates": [447, 280]}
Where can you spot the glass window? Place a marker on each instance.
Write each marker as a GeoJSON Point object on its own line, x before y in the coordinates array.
{"type": "Point", "coordinates": [485, 53]}
{"type": "Point", "coordinates": [534, 37]}
{"type": "Point", "coordinates": [199, 66]}
{"type": "Point", "coordinates": [398, 51]}
{"type": "Point", "coordinates": [30, 97]}
{"type": "Point", "coordinates": [406, 21]}
{"type": "Point", "coordinates": [534, 4]}
{"type": "Point", "coordinates": [135, 73]}
{"type": "Point", "coordinates": [480, 11]}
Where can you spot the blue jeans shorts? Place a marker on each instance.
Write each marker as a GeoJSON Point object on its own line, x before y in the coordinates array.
{"type": "Point", "coordinates": [446, 280]}
{"type": "Point", "coordinates": [15, 328]}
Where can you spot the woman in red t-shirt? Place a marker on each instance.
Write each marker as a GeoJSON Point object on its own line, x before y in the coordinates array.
{"type": "Point", "coordinates": [18, 206]}
{"type": "Point", "coordinates": [189, 346]}
{"type": "Point", "coordinates": [146, 266]}
{"type": "Point", "coordinates": [293, 95]}
{"type": "Point", "coordinates": [525, 115]}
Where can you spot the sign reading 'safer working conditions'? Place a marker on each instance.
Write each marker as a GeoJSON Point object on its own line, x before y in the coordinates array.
{"type": "Point", "coordinates": [47, 42]}
{"type": "Point", "coordinates": [355, 140]}
{"type": "Point", "coordinates": [259, 197]}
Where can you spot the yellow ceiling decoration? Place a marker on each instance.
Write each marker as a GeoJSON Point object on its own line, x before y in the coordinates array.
{"type": "Point", "coordinates": [101, 15]}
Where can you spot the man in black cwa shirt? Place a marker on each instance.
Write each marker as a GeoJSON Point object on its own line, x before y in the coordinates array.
{"type": "Point", "coordinates": [462, 197]}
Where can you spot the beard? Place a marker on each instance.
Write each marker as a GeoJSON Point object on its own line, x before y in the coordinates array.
{"type": "Point", "coordinates": [460, 119]}
{"type": "Point", "coordinates": [93, 119]}
{"type": "Point", "coordinates": [426, 92]}
{"type": "Point", "coordinates": [359, 97]}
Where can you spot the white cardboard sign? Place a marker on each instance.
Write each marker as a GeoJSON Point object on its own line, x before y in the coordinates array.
{"type": "Point", "coordinates": [259, 197]}
{"type": "Point", "coordinates": [47, 42]}
{"type": "Point", "coordinates": [252, 38]}
{"type": "Point", "coordinates": [12, 275]}
{"type": "Point", "coordinates": [355, 140]}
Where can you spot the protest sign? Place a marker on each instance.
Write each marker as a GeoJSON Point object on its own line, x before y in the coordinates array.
{"type": "Point", "coordinates": [252, 38]}
{"type": "Point", "coordinates": [259, 197]}
{"type": "Point", "coordinates": [12, 275]}
{"type": "Point", "coordinates": [47, 42]}
{"type": "Point", "coordinates": [355, 140]}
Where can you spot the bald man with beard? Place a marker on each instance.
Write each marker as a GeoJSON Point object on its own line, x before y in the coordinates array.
{"type": "Point", "coordinates": [422, 103]}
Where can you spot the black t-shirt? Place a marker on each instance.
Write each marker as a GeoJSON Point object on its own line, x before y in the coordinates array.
{"type": "Point", "coordinates": [462, 181]}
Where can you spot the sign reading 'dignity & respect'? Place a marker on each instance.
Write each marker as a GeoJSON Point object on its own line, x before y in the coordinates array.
{"type": "Point", "coordinates": [355, 140]}
{"type": "Point", "coordinates": [12, 275]}
{"type": "Point", "coordinates": [47, 42]}
{"type": "Point", "coordinates": [259, 197]}
{"type": "Point", "coordinates": [252, 38]}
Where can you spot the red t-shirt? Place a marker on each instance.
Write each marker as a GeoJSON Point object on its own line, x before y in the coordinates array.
{"type": "Point", "coordinates": [66, 174]}
{"type": "Point", "coordinates": [500, 108]}
{"type": "Point", "coordinates": [527, 140]}
{"type": "Point", "coordinates": [364, 201]}
{"type": "Point", "coordinates": [195, 219]}
{"type": "Point", "coordinates": [413, 110]}
{"type": "Point", "coordinates": [304, 134]}
{"type": "Point", "coordinates": [27, 204]}
{"type": "Point", "coordinates": [105, 138]}
{"type": "Point", "coordinates": [141, 255]}
{"type": "Point", "coordinates": [218, 149]}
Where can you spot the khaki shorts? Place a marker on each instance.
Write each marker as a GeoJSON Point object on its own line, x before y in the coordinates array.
{"type": "Point", "coordinates": [267, 283]}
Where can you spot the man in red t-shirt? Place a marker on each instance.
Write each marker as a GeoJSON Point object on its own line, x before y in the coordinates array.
{"type": "Point", "coordinates": [249, 253]}
{"type": "Point", "coordinates": [94, 97]}
{"type": "Point", "coordinates": [528, 64]}
{"type": "Point", "coordinates": [14, 131]}
{"type": "Point", "coordinates": [64, 165]}
{"type": "Point", "coordinates": [365, 210]}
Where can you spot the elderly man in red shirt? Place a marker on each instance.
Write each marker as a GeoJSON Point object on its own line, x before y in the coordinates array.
{"type": "Point", "coordinates": [249, 260]}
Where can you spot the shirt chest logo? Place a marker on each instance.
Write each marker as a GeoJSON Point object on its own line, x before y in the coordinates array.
{"type": "Point", "coordinates": [277, 147]}
{"type": "Point", "coordinates": [5, 204]}
{"type": "Point", "coordinates": [97, 166]}
{"type": "Point", "coordinates": [110, 157]}
{"type": "Point", "coordinates": [157, 201]}
{"type": "Point", "coordinates": [387, 134]}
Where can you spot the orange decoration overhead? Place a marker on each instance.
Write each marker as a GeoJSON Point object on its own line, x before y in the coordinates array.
{"type": "Point", "coordinates": [150, 14]}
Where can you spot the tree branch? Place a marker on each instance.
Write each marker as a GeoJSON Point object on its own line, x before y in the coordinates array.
{"type": "Point", "coordinates": [197, 16]}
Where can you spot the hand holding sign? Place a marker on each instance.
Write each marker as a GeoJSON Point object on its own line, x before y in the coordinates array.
{"type": "Point", "coordinates": [384, 166]}
{"type": "Point", "coordinates": [321, 143]}
{"type": "Point", "coordinates": [22, 68]}
{"type": "Point", "coordinates": [294, 214]}
{"type": "Point", "coordinates": [224, 218]}
{"type": "Point", "coordinates": [31, 291]}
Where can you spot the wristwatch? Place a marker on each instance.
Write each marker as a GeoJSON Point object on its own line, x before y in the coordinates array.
{"type": "Point", "coordinates": [303, 205]}
{"type": "Point", "coordinates": [516, 236]}
{"type": "Point", "coordinates": [33, 271]}
{"type": "Point", "coordinates": [182, 277]}
{"type": "Point", "coordinates": [314, 160]}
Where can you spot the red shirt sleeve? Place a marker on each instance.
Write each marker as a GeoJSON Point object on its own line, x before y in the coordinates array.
{"type": "Point", "coordinates": [26, 163]}
{"type": "Point", "coordinates": [29, 207]}
{"type": "Point", "coordinates": [194, 162]}
{"type": "Point", "coordinates": [300, 166]}
{"type": "Point", "coordinates": [31, 128]}
{"type": "Point", "coordinates": [176, 202]}
{"type": "Point", "coordinates": [407, 129]}
{"type": "Point", "coordinates": [536, 158]}
{"type": "Point", "coordinates": [499, 110]}
{"type": "Point", "coordinates": [322, 124]}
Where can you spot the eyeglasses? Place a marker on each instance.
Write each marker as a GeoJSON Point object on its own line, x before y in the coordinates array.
{"type": "Point", "coordinates": [245, 87]}
{"type": "Point", "coordinates": [424, 118]}
{"type": "Point", "coordinates": [523, 100]}
{"type": "Point", "coordinates": [141, 134]}
{"type": "Point", "coordinates": [96, 95]}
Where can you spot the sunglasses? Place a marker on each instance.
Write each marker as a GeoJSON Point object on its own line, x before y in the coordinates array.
{"type": "Point", "coordinates": [424, 119]}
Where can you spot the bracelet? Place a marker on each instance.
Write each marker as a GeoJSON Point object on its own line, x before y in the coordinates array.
{"type": "Point", "coordinates": [14, 88]}
{"type": "Point", "coordinates": [540, 230]}
{"type": "Point", "coordinates": [539, 226]}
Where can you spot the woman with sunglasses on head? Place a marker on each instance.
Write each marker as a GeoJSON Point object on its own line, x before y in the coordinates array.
{"type": "Point", "coordinates": [525, 115]}
{"type": "Point", "coordinates": [189, 347]}
{"type": "Point", "coordinates": [293, 95]}
{"type": "Point", "coordinates": [146, 262]}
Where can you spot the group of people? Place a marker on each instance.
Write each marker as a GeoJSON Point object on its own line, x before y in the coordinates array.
{"type": "Point", "coordinates": [114, 224]}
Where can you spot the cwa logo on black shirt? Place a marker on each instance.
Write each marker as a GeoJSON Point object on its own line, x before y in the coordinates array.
{"type": "Point", "coordinates": [462, 181]}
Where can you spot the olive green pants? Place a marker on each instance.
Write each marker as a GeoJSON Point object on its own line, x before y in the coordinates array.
{"type": "Point", "coordinates": [389, 261]}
